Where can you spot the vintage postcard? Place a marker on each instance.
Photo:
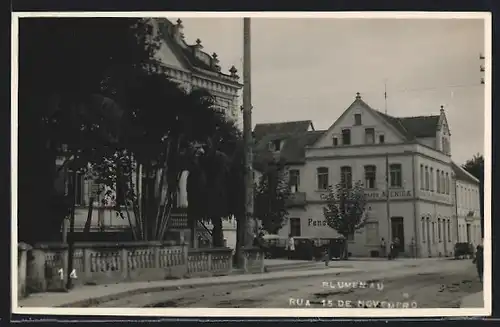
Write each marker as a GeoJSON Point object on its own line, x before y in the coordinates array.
{"type": "Point", "coordinates": [251, 164]}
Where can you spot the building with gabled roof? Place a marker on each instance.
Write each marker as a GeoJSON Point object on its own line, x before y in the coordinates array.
{"type": "Point", "coordinates": [414, 201]}
{"type": "Point", "coordinates": [191, 67]}
{"type": "Point", "coordinates": [468, 206]}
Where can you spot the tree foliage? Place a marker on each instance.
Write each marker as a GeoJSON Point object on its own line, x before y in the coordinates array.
{"type": "Point", "coordinates": [271, 193]}
{"type": "Point", "coordinates": [475, 166]}
{"type": "Point", "coordinates": [62, 65]}
{"type": "Point", "coordinates": [94, 87]}
{"type": "Point", "coordinates": [345, 208]}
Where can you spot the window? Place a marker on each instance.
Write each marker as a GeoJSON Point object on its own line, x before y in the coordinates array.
{"type": "Point", "coordinates": [381, 139]}
{"type": "Point", "coordinates": [439, 229]}
{"type": "Point", "coordinates": [294, 180]}
{"type": "Point", "coordinates": [433, 232]}
{"type": "Point", "coordinates": [369, 136]}
{"type": "Point", "coordinates": [357, 119]}
{"type": "Point", "coordinates": [449, 230]}
{"type": "Point", "coordinates": [431, 179]}
{"type": "Point", "coordinates": [395, 173]}
{"type": "Point", "coordinates": [422, 178]}
{"type": "Point", "coordinates": [442, 182]}
{"type": "Point", "coordinates": [335, 141]}
{"type": "Point", "coordinates": [275, 145]}
{"type": "Point", "coordinates": [447, 184]}
{"type": "Point", "coordinates": [426, 178]}
{"type": "Point", "coordinates": [370, 176]}
{"type": "Point", "coordinates": [438, 181]}
{"type": "Point", "coordinates": [78, 185]}
{"type": "Point", "coordinates": [372, 236]}
{"type": "Point", "coordinates": [423, 230]}
{"type": "Point", "coordinates": [346, 176]}
{"type": "Point", "coordinates": [295, 226]}
{"type": "Point", "coordinates": [322, 178]}
{"type": "Point", "coordinates": [346, 137]}
{"type": "Point", "coordinates": [428, 234]}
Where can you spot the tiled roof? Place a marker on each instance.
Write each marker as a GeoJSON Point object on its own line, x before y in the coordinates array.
{"type": "Point", "coordinates": [279, 129]}
{"type": "Point", "coordinates": [462, 175]}
{"type": "Point", "coordinates": [413, 127]}
{"type": "Point", "coordinates": [294, 135]}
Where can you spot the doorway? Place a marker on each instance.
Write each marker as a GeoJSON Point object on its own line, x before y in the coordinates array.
{"type": "Point", "coordinates": [397, 229]}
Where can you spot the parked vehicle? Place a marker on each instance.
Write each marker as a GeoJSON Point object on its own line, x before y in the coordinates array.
{"type": "Point", "coordinates": [463, 249]}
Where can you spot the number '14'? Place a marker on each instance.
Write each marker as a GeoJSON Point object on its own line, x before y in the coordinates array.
{"type": "Point", "coordinates": [72, 275]}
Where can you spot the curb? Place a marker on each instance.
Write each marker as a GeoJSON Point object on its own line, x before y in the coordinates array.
{"type": "Point", "coordinates": [106, 298]}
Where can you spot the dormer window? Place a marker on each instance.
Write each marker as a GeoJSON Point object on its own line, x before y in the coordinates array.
{"type": "Point", "coordinates": [381, 139]}
{"type": "Point", "coordinates": [335, 141]}
{"type": "Point", "coordinates": [275, 145]}
{"type": "Point", "coordinates": [357, 119]}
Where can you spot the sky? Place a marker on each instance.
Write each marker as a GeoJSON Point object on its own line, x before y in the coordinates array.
{"type": "Point", "coordinates": [311, 69]}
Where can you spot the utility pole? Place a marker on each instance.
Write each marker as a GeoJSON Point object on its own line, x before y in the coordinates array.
{"type": "Point", "coordinates": [481, 67]}
{"type": "Point", "coordinates": [481, 185]}
{"type": "Point", "coordinates": [387, 202]}
{"type": "Point", "coordinates": [385, 96]}
{"type": "Point", "coordinates": [247, 134]}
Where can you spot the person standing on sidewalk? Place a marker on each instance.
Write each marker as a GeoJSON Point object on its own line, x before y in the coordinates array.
{"type": "Point", "coordinates": [413, 248]}
{"type": "Point", "coordinates": [382, 248]}
{"type": "Point", "coordinates": [479, 261]}
{"type": "Point", "coordinates": [290, 246]}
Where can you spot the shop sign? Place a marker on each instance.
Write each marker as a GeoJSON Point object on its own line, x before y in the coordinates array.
{"type": "Point", "coordinates": [392, 194]}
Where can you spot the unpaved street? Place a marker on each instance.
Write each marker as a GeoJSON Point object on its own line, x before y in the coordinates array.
{"type": "Point", "coordinates": [440, 285]}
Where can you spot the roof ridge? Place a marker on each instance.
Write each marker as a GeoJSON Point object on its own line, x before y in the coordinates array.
{"type": "Point", "coordinates": [422, 116]}
{"type": "Point", "coordinates": [286, 122]}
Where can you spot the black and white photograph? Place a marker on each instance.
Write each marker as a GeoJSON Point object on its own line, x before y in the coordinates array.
{"type": "Point", "coordinates": [251, 164]}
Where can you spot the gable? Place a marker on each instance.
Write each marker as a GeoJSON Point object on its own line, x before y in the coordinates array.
{"type": "Point", "coordinates": [442, 124]}
{"type": "Point", "coordinates": [370, 118]}
{"type": "Point", "coordinates": [167, 56]}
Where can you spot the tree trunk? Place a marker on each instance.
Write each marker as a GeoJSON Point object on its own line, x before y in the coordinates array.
{"type": "Point", "coordinates": [240, 234]}
{"type": "Point", "coordinates": [217, 233]}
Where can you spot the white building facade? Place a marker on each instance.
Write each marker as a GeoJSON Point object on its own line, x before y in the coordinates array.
{"type": "Point", "coordinates": [364, 144]}
{"type": "Point", "coordinates": [468, 207]}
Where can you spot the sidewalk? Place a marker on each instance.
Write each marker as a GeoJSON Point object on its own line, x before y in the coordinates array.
{"type": "Point", "coordinates": [85, 295]}
{"type": "Point", "coordinates": [475, 300]}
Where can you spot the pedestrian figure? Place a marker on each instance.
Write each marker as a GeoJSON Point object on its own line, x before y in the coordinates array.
{"type": "Point", "coordinates": [382, 248]}
{"type": "Point", "coordinates": [290, 246]}
{"type": "Point", "coordinates": [479, 261]}
{"type": "Point", "coordinates": [413, 248]}
{"type": "Point", "coordinates": [396, 247]}
{"type": "Point", "coordinates": [326, 256]}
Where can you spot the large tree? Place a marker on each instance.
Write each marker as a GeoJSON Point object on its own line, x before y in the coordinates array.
{"type": "Point", "coordinates": [62, 65]}
{"type": "Point", "coordinates": [271, 193]}
{"type": "Point", "coordinates": [345, 209]}
{"type": "Point", "coordinates": [475, 167]}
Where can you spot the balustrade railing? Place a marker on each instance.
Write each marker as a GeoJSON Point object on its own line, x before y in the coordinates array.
{"type": "Point", "coordinates": [44, 266]}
